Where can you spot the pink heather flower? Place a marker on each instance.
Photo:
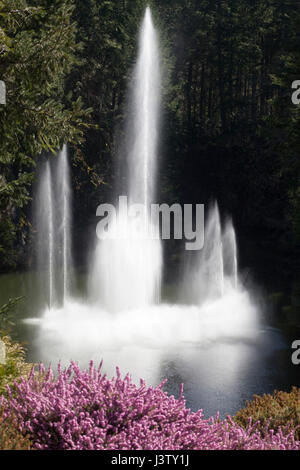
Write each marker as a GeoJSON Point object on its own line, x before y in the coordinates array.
{"type": "Point", "coordinates": [84, 410]}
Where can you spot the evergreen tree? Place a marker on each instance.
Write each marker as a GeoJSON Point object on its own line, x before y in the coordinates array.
{"type": "Point", "coordinates": [38, 49]}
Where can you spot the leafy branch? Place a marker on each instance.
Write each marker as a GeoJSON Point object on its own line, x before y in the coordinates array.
{"type": "Point", "coordinates": [6, 311]}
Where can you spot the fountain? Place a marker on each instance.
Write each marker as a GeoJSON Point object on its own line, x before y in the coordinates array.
{"type": "Point", "coordinates": [230, 257]}
{"type": "Point", "coordinates": [127, 268]}
{"type": "Point", "coordinates": [123, 319]}
{"type": "Point", "coordinates": [64, 209]}
{"type": "Point", "coordinates": [143, 123]}
{"type": "Point", "coordinates": [45, 233]}
{"type": "Point", "coordinates": [214, 271]}
{"type": "Point", "coordinates": [53, 223]}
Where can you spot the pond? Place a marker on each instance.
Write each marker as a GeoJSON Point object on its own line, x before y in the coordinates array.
{"type": "Point", "coordinates": [220, 370]}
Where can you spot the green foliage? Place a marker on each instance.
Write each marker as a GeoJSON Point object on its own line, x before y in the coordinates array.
{"type": "Point", "coordinates": [231, 130]}
{"type": "Point", "coordinates": [10, 437]}
{"type": "Point", "coordinates": [38, 49]}
{"type": "Point", "coordinates": [279, 409]}
{"type": "Point", "coordinates": [15, 365]}
{"type": "Point", "coordinates": [5, 312]}
{"type": "Point", "coordinates": [107, 31]}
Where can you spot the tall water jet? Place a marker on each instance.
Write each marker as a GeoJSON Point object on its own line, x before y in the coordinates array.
{"type": "Point", "coordinates": [215, 269]}
{"type": "Point", "coordinates": [45, 233]}
{"type": "Point", "coordinates": [230, 254]}
{"type": "Point", "coordinates": [127, 268]}
{"type": "Point", "coordinates": [211, 265]}
{"type": "Point", "coordinates": [53, 222]}
{"type": "Point", "coordinates": [64, 205]}
{"type": "Point", "coordinates": [50, 234]}
{"type": "Point", "coordinates": [144, 122]}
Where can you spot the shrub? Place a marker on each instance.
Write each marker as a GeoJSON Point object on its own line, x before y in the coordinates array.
{"type": "Point", "coordinates": [278, 410]}
{"type": "Point", "coordinates": [84, 410]}
{"type": "Point", "coordinates": [10, 437]}
{"type": "Point", "coordinates": [15, 365]}
{"type": "Point", "coordinates": [6, 312]}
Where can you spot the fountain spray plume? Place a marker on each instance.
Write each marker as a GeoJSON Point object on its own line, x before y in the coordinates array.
{"type": "Point", "coordinates": [45, 233]}
{"type": "Point", "coordinates": [230, 254]}
{"type": "Point", "coordinates": [145, 106]}
{"type": "Point", "coordinates": [50, 233]}
{"type": "Point", "coordinates": [64, 205]}
{"type": "Point", "coordinates": [215, 270]}
{"type": "Point", "coordinates": [53, 221]}
{"type": "Point", "coordinates": [127, 269]}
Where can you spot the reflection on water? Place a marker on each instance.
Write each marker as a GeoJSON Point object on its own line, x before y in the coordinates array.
{"type": "Point", "coordinates": [221, 357]}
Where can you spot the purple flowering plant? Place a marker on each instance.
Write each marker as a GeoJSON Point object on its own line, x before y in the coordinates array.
{"type": "Point", "coordinates": [83, 409]}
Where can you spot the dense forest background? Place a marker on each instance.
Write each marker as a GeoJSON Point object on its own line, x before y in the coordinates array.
{"type": "Point", "coordinates": [229, 128]}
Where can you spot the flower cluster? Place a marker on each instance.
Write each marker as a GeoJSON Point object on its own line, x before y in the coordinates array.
{"type": "Point", "coordinates": [85, 410]}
